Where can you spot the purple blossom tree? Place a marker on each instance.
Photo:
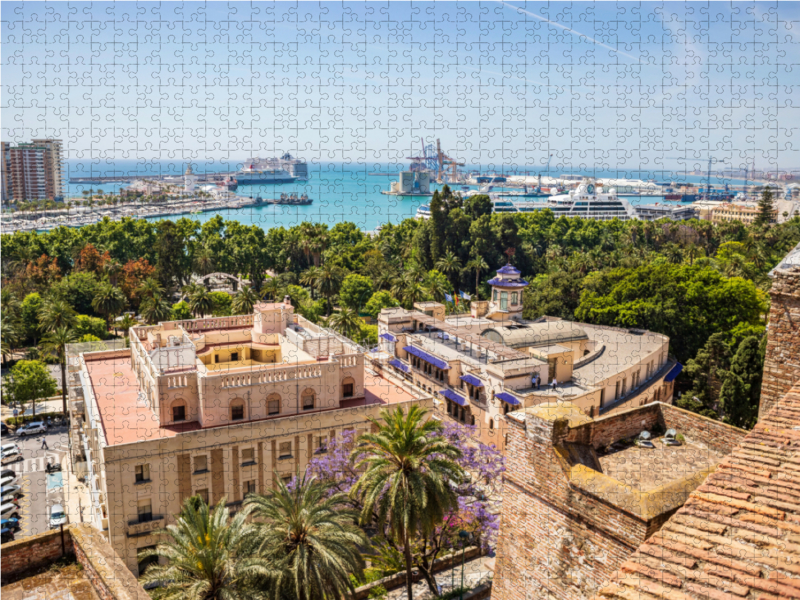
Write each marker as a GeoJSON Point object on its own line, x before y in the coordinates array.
{"type": "Point", "coordinates": [478, 498]}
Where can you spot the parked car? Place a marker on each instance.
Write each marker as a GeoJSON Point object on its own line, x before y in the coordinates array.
{"type": "Point", "coordinates": [57, 516]}
{"type": "Point", "coordinates": [10, 523]}
{"type": "Point", "coordinates": [6, 535]}
{"type": "Point", "coordinates": [4, 430]}
{"type": "Point", "coordinates": [32, 428]}
{"type": "Point", "coordinates": [9, 480]}
{"type": "Point", "coordinates": [7, 473]}
{"type": "Point", "coordinates": [9, 510]}
{"type": "Point", "coordinates": [10, 490]}
{"type": "Point", "coordinates": [11, 453]}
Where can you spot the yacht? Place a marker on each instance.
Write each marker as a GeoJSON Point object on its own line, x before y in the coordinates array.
{"type": "Point", "coordinates": [583, 201]}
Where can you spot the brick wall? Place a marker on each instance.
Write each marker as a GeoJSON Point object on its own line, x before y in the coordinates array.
{"type": "Point", "coordinates": [555, 541]}
{"type": "Point", "coordinates": [31, 552]}
{"type": "Point", "coordinates": [782, 360]}
{"type": "Point", "coordinates": [717, 436]}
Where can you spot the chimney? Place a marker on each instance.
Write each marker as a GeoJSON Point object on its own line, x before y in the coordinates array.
{"type": "Point", "coordinates": [782, 358]}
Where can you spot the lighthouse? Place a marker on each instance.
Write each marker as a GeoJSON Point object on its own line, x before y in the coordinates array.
{"type": "Point", "coordinates": [189, 180]}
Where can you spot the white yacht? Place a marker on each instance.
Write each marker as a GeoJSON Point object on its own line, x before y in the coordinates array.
{"type": "Point", "coordinates": [583, 201]}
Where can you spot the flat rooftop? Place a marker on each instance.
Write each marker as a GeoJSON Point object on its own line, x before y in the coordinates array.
{"type": "Point", "coordinates": [68, 582]}
{"type": "Point", "coordinates": [648, 468]}
{"type": "Point", "coordinates": [126, 416]}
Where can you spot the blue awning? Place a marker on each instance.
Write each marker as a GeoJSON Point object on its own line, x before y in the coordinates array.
{"type": "Point", "coordinates": [388, 337]}
{"type": "Point", "coordinates": [673, 372]}
{"type": "Point", "coordinates": [507, 398]}
{"type": "Point", "coordinates": [428, 358]}
{"type": "Point", "coordinates": [396, 363]}
{"type": "Point", "coordinates": [472, 380]}
{"type": "Point", "coordinates": [451, 395]}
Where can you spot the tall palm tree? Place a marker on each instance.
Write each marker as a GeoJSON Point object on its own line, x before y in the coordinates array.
{"type": "Point", "coordinates": [409, 471]}
{"type": "Point", "coordinates": [244, 301]}
{"type": "Point", "coordinates": [450, 265]}
{"type": "Point", "coordinates": [109, 301]}
{"type": "Point", "coordinates": [330, 279]}
{"type": "Point", "coordinates": [200, 303]}
{"type": "Point", "coordinates": [346, 322]}
{"type": "Point", "coordinates": [311, 277]}
{"type": "Point", "coordinates": [478, 264]}
{"type": "Point", "coordinates": [209, 556]}
{"type": "Point", "coordinates": [56, 313]}
{"type": "Point", "coordinates": [155, 310]}
{"type": "Point", "coordinates": [204, 261]}
{"type": "Point", "coordinates": [56, 342]}
{"type": "Point", "coordinates": [270, 288]}
{"type": "Point", "coordinates": [309, 536]}
{"type": "Point", "coordinates": [150, 289]}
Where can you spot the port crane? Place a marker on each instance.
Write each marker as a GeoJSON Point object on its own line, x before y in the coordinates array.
{"type": "Point", "coordinates": [433, 159]}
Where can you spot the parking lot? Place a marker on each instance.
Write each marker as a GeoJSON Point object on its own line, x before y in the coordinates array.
{"type": "Point", "coordinates": [40, 491]}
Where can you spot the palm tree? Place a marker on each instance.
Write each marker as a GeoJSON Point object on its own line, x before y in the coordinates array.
{"type": "Point", "coordinates": [408, 469]}
{"type": "Point", "coordinates": [450, 265]}
{"type": "Point", "coordinates": [346, 322]}
{"type": "Point", "coordinates": [155, 310]}
{"type": "Point", "coordinates": [479, 264]}
{"type": "Point", "coordinates": [10, 335]}
{"type": "Point", "coordinates": [112, 268]}
{"type": "Point", "coordinates": [55, 314]}
{"type": "Point", "coordinates": [311, 277]}
{"type": "Point", "coordinates": [209, 556]}
{"type": "Point", "coordinates": [150, 289]}
{"type": "Point", "coordinates": [330, 278]}
{"type": "Point", "coordinates": [109, 301]}
{"type": "Point", "coordinates": [309, 536]}
{"type": "Point", "coordinates": [414, 292]}
{"type": "Point", "coordinates": [204, 261]}
{"type": "Point", "coordinates": [244, 301]}
{"type": "Point", "coordinates": [125, 324]}
{"type": "Point", "coordinates": [200, 303]}
{"type": "Point", "coordinates": [270, 288]}
{"type": "Point", "coordinates": [56, 342]}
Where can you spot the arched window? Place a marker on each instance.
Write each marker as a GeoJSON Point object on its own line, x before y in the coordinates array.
{"type": "Point", "coordinates": [273, 404]}
{"type": "Point", "coordinates": [237, 409]}
{"type": "Point", "coordinates": [178, 408]}
{"type": "Point", "coordinates": [348, 387]}
{"type": "Point", "coordinates": [308, 399]}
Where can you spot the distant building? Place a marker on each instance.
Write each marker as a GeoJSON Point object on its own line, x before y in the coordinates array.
{"type": "Point", "coordinates": [32, 171]}
{"type": "Point", "coordinates": [744, 212]}
{"type": "Point", "coordinates": [676, 212]}
{"type": "Point", "coordinates": [216, 407]}
{"type": "Point", "coordinates": [189, 180]}
{"type": "Point", "coordinates": [481, 365]}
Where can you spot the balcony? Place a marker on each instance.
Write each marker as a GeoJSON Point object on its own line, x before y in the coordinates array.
{"type": "Point", "coordinates": [137, 528]}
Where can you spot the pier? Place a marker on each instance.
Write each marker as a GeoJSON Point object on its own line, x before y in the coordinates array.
{"type": "Point", "coordinates": [201, 178]}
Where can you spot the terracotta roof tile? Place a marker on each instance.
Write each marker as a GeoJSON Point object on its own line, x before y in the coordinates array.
{"type": "Point", "coordinates": [738, 535]}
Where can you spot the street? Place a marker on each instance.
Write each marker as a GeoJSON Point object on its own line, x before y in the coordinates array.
{"type": "Point", "coordinates": [40, 490]}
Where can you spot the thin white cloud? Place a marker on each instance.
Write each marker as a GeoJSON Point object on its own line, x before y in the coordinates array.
{"type": "Point", "coordinates": [565, 28]}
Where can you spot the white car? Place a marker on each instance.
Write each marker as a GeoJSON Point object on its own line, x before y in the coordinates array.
{"type": "Point", "coordinates": [9, 510]}
{"type": "Point", "coordinates": [11, 453]}
{"type": "Point", "coordinates": [57, 516]}
{"type": "Point", "coordinates": [9, 480]}
{"type": "Point", "coordinates": [32, 428]}
{"type": "Point", "coordinates": [10, 490]}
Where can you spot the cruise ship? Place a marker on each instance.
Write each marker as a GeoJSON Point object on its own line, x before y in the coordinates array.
{"type": "Point", "coordinates": [584, 201]}
{"type": "Point", "coordinates": [285, 169]}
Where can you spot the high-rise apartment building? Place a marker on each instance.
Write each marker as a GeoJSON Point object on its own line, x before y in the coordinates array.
{"type": "Point", "coordinates": [32, 171]}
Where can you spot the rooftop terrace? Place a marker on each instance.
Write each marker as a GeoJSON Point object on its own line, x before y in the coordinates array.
{"type": "Point", "coordinates": [126, 416]}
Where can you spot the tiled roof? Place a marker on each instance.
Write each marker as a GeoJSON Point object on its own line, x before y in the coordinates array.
{"type": "Point", "coordinates": [738, 535]}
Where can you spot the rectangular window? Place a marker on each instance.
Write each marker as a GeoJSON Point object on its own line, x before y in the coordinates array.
{"type": "Point", "coordinates": [503, 300]}
{"type": "Point", "coordinates": [248, 456]}
{"type": "Point", "coordinates": [624, 385]}
{"type": "Point", "coordinates": [234, 356]}
{"type": "Point", "coordinates": [237, 412]}
{"type": "Point", "coordinates": [274, 407]}
{"type": "Point", "coordinates": [203, 494]}
{"type": "Point", "coordinates": [179, 413]}
{"type": "Point", "coordinates": [285, 450]}
{"type": "Point", "coordinates": [308, 402]}
{"type": "Point", "coordinates": [514, 296]}
{"type": "Point", "coordinates": [142, 473]}
{"type": "Point", "coordinates": [321, 445]}
{"type": "Point", "coordinates": [216, 358]}
{"type": "Point", "coordinates": [249, 487]}
{"type": "Point", "coordinates": [347, 390]}
{"type": "Point", "coordinates": [200, 464]}
{"type": "Point", "coordinates": [602, 397]}
{"type": "Point", "coordinates": [494, 295]}
{"type": "Point", "coordinates": [616, 391]}
{"type": "Point", "coordinates": [287, 479]}
{"type": "Point", "coordinates": [144, 510]}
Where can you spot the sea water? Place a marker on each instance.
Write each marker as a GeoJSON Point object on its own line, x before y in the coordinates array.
{"type": "Point", "coordinates": [340, 192]}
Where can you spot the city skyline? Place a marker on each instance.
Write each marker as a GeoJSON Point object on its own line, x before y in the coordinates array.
{"type": "Point", "coordinates": [501, 84]}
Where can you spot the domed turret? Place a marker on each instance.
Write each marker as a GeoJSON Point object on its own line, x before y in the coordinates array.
{"type": "Point", "coordinates": [507, 288]}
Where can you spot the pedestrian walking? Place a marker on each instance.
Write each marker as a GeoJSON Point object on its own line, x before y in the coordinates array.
{"type": "Point", "coordinates": [555, 384]}
{"type": "Point", "coordinates": [44, 444]}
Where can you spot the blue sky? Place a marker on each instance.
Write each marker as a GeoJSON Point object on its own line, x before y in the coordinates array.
{"type": "Point", "coordinates": [500, 83]}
